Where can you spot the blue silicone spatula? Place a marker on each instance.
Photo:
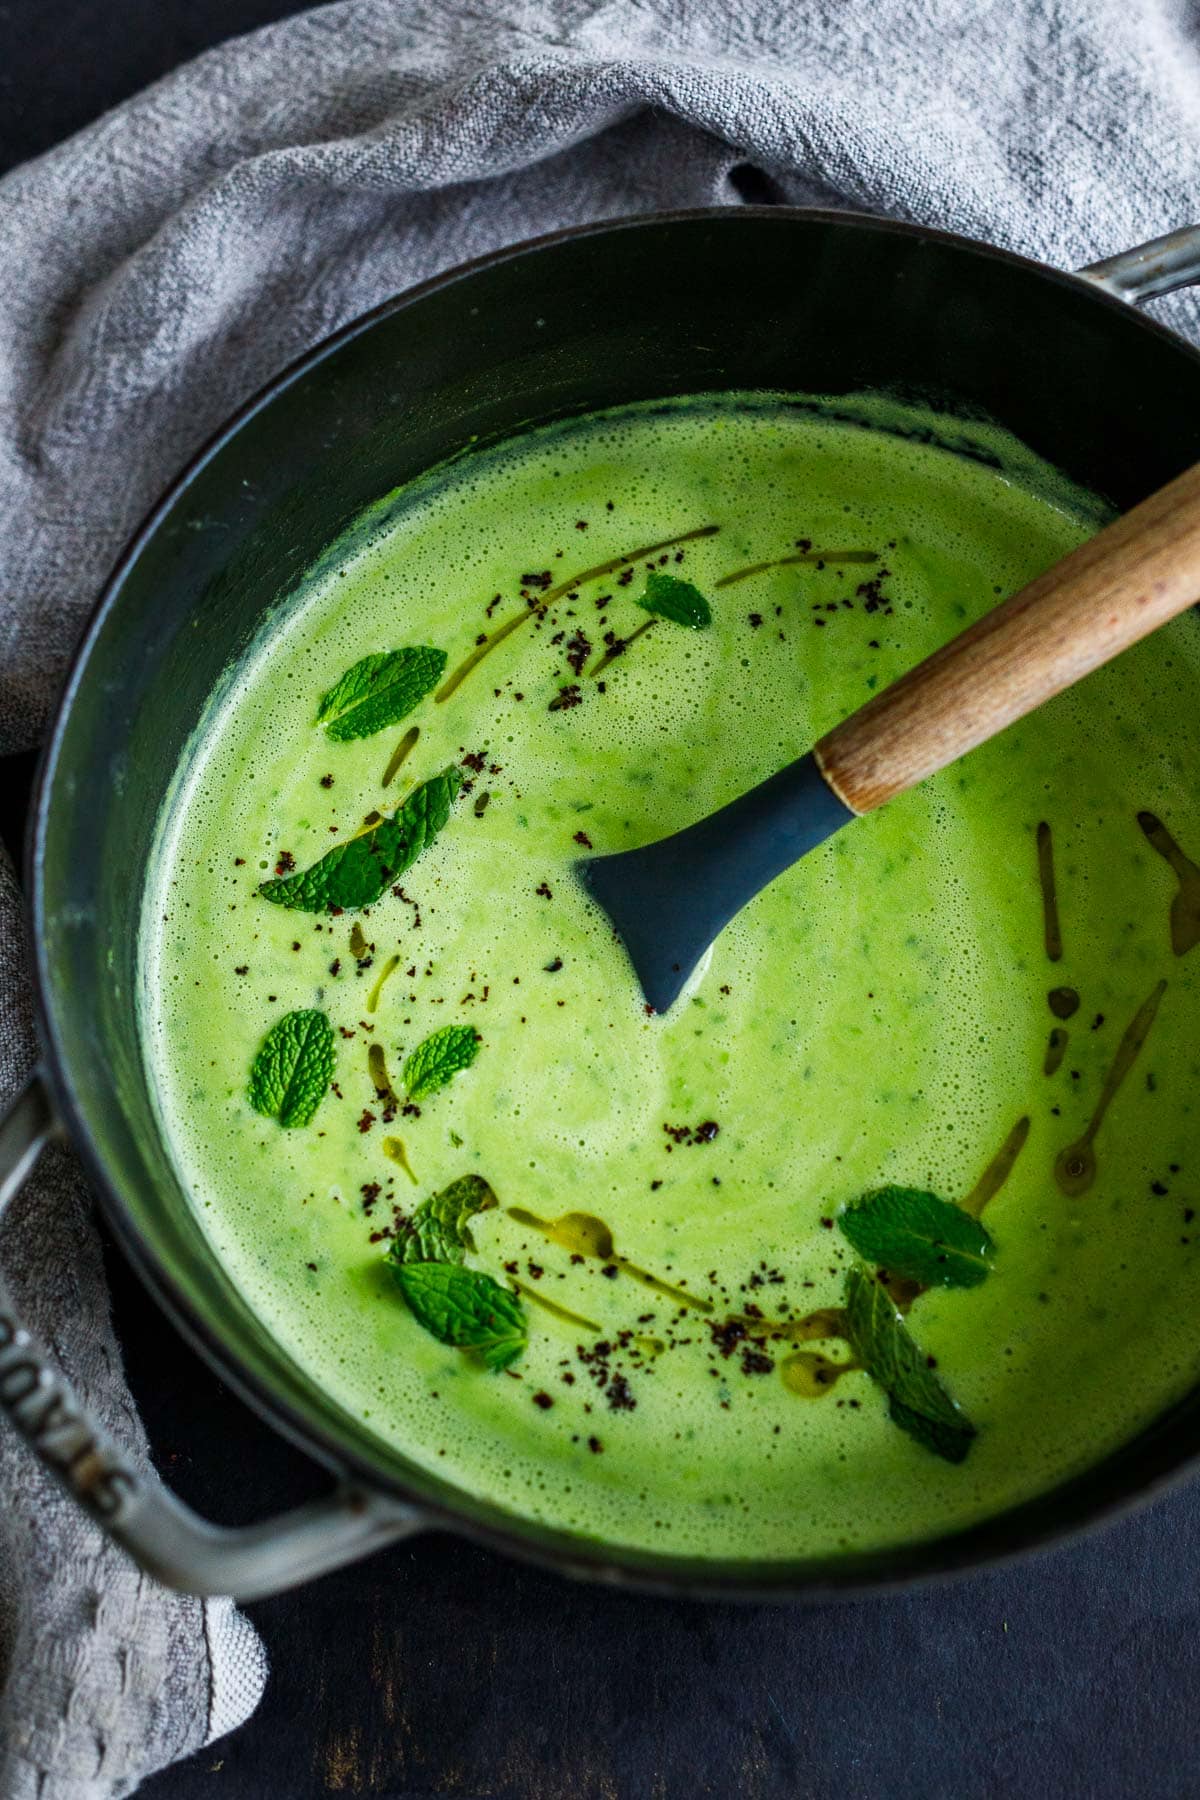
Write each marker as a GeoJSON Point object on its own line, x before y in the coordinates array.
{"type": "Point", "coordinates": [669, 900]}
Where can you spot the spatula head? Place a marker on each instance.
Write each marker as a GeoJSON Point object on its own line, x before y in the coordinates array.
{"type": "Point", "coordinates": [664, 935]}
{"type": "Point", "coordinates": [668, 900]}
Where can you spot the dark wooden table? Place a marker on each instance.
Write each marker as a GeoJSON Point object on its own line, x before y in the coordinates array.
{"type": "Point", "coordinates": [437, 1669]}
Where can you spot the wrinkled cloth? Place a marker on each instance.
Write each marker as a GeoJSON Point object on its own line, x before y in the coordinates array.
{"type": "Point", "coordinates": [160, 266]}
{"type": "Point", "coordinates": [105, 1674]}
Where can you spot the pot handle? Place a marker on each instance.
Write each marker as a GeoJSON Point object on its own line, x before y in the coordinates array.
{"type": "Point", "coordinates": [1148, 270]}
{"type": "Point", "coordinates": [163, 1535]}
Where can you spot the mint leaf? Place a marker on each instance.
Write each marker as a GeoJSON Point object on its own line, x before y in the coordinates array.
{"type": "Point", "coordinates": [440, 1057]}
{"type": "Point", "coordinates": [460, 1306]}
{"type": "Point", "coordinates": [293, 1068]}
{"type": "Point", "coordinates": [466, 1308]}
{"type": "Point", "coordinates": [881, 1341]}
{"type": "Point", "coordinates": [914, 1234]}
{"type": "Point", "coordinates": [439, 1231]}
{"type": "Point", "coordinates": [356, 873]}
{"type": "Point", "coordinates": [676, 600]}
{"type": "Point", "coordinates": [951, 1441]}
{"type": "Point", "coordinates": [380, 691]}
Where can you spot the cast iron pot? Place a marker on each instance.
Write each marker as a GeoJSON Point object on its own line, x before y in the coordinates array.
{"type": "Point", "coordinates": [764, 298]}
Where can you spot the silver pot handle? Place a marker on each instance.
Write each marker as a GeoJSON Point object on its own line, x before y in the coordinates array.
{"type": "Point", "coordinates": [1148, 270]}
{"type": "Point", "coordinates": [129, 1502]}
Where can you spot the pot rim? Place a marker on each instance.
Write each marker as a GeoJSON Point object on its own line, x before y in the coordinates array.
{"type": "Point", "coordinates": [1007, 1536]}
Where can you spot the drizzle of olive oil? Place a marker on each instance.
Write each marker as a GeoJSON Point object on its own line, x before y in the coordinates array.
{"type": "Point", "coordinates": [382, 1081]}
{"type": "Point", "coordinates": [619, 647]}
{"type": "Point", "coordinates": [1075, 1167]}
{"type": "Point", "coordinates": [811, 1375]}
{"type": "Point", "coordinates": [399, 754]}
{"type": "Point", "coordinates": [585, 1235]}
{"type": "Point", "coordinates": [537, 607]}
{"type": "Point", "coordinates": [1053, 929]}
{"type": "Point", "coordinates": [832, 557]}
{"type": "Point", "coordinates": [551, 1306]}
{"type": "Point", "coordinates": [389, 968]}
{"type": "Point", "coordinates": [393, 1149]}
{"type": "Point", "coordinates": [998, 1170]}
{"type": "Point", "coordinates": [1185, 907]}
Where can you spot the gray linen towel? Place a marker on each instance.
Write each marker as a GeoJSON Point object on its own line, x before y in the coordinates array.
{"type": "Point", "coordinates": [158, 267]}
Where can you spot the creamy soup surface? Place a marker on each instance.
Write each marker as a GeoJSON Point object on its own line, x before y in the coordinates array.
{"type": "Point", "coordinates": [663, 1200]}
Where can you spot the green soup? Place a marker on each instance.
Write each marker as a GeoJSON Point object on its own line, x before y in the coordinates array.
{"type": "Point", "coordinates": [880, 1015]}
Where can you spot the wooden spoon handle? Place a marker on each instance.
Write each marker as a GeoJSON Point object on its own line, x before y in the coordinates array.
{"type": "Point", "coordinates": [1121, 585]}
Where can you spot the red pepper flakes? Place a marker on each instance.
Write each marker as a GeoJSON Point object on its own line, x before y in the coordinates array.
{"type": "Point", "coordinates": [579, 648]}
{"type": "Point", "coordinates": [872, 595]}
{"type": "Point", "coordinates": [581, 837]}
{"type": "Point", "coordinates": [689, 1134]}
